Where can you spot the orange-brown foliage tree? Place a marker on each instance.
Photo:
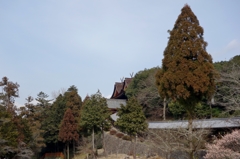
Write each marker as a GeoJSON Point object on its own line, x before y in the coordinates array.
{"type": "Point", "coordinates": [68, 129]}
{"type": "Point", "coordinates": [187, 73]}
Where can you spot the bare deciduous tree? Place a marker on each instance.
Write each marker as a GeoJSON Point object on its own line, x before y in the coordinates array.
{"type": "Point", "coordinates": [177, 141]}
{"type": "Point", "coordinates": [228, 90]}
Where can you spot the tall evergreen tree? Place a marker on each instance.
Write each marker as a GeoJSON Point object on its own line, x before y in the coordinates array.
{"type": "Point", "coordinates": [42, 100]}
{"type": "Point", "coordinates": [68, 129]}
{"type": "Point", "coordinates": [54, 117]}
{"type": "Point", "coordinates": [10, 92]}
{"type": "Point", "coordinates": [74, 102]}
{"type": "Point", "coordinates": [187, 74]}
{"type": "Point", "coordinates": [95, 115]}
{"type": "Point", "coordinates": [131, 119]}
{"type": "Point", "coordinates": [32, 114]}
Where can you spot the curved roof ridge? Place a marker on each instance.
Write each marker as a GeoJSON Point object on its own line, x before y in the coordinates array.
{"type": "Point", "coordinates": [119, 89]}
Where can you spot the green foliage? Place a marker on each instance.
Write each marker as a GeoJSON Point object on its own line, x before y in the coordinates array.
{"type": "Point", "coordinates": [24, 130]}
{"type": "Point", "coordinates": [42, 100]}
{"type": "Point", "coordinates": [95, 113]}
{"type": "Point", "coordinates": [54, 117]}
{"type": "Point", "coordinates": [131, 118]}
{"type": "Point", "coordinates": [8, 135]}
{"type": "Point", "coordinates": [201, 111]}
{"type": "Point", "coordinates": [143, 88]}
{"type": "Point", "coordinates": [34, 116]}
{"type": "Point", "coordinates": [177, 110]}
{"type": "Point", "coordinates": [72, 88]}
{"type": "Point", "coordinates": [126, 137]}
{"type": "Point", "coordinates": [9, 93]}
{"type": "Point", "coordinates": [138, 82]}
{"type": "Point", "coordinates": [220, 65]}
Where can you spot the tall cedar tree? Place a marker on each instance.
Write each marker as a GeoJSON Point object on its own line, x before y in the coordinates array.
{"type": "Point", "coordinates": [131, 119]}
{"type": "Point", "coordinates": [74, 102]}
{"type": "Point", "coordinates": [54, 117]}
{"type": "Point", "coordinates": [95, 115]}
{"type": "Point", "coordinates": [68, 129]}
{"type": "Point", "coordinates": [187, 74]}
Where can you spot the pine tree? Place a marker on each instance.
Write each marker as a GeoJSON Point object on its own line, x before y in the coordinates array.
{"type": "Point", "coordinates": [187, 74]}
{"type": "Point", "coordinates": [68, 129]}
{"type": "Point", "coordinates": [32, 114]}
{"type": "Point", "coordinates": [10, 92]}
{"type": "Point", "coordinates": [131, 119]}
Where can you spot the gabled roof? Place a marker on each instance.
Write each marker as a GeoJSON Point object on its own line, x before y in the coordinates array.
{"type": "Point", "coordinates": [119, 89]}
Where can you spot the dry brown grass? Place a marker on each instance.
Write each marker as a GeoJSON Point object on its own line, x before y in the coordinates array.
{"type": "Point", "coordinates": [122, 156]}
{"type": "Point", "coordinates": [114, 156]}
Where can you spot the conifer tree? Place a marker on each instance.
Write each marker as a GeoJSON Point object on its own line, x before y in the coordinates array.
{"type": "Point", "coordinates": [32, 114]}
{"type": "Point", "coordinates": [10, 92]}
{"type": "Point", "coordinates": [74, 102]}
{"type": "Point", "coordinates": [187, 74]}
{"type": "Point", "coordinates": [54, 117]}
{"type": "Point", "coordinates": [8, 135]}
{"type": "Point", "coordinates": [95, 115]}
{"type": "Point", "coordinates": [42, 100]}
{"type": "Point", "coordinates": [68, 129]}
{"type": "Point", "coordinates": [131, 119]}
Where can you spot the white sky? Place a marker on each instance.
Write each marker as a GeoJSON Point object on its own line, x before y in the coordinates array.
{"type": "Point", "coordinates": [48, 45]}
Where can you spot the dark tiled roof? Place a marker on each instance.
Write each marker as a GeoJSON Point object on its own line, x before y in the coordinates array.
{"type": "Point", "coordinates": [119, 89]}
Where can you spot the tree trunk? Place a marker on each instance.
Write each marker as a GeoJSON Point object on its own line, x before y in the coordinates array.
{"type": "Point", "coordinates": [134, 148]}
{"type": "Point", "coordinates": [190, 130]}
{"type": "Point", "coordinates": [93, 142]}
{"type": "Point", "coordinates": [67, 150]}
{"type": "Point", "coordinates": [64, 151]}
{"type": "Point", "coordinates": [73, 148]}
{"type": "Point", "coordinates": [104, 146]}
{"type": "Point", "coordinates": [164, 108]}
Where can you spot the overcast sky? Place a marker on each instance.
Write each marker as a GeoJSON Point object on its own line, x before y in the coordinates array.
{"type": "Point", "coordinates": [48, 45]}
